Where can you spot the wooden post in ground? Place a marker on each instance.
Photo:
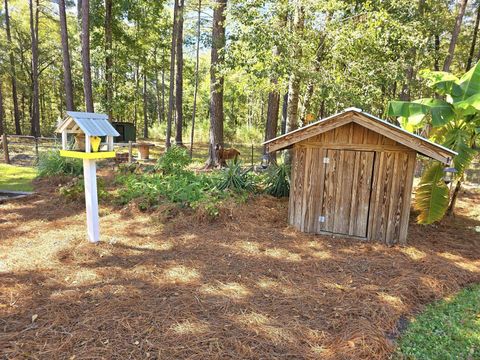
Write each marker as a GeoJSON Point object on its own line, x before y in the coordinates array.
{"type": "Point", "coordinates": [91, 199]}
{"type": "Point", "coordinates": [5, 148]}
{"type": "Point", "coordinates": [252, 156]}
{"type": "Point", "coordinates": [130, 152]}
{"type": "Point", "coordinates": [36, 147]}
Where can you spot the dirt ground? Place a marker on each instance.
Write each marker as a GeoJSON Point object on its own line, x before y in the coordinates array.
{"type": "Point", "coordinates": [246, 286]}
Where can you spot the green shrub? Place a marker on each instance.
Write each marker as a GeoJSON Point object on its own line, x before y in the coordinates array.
{"type": "Point", "coordinates": [75, 189]}
{"type": "Point", "coordinates": [52, 164]}
{"type": "Point", "coordinates": [234, 178]}
{"type": "Point", "coordinates": [278, 181]}
{"type": "Point", "coordinates": [173, 161]}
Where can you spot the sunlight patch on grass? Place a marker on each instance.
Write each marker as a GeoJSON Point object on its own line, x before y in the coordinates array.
{"type": "Point", "coordinates": [232, 290]}
{"type": "Point", "coordinates": [16, 178]}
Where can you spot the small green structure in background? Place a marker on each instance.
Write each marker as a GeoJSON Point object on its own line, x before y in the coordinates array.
{"type": "Point", "coordinates": [126, 130]}
{"type": "Point", "coordinates": [16, 178]}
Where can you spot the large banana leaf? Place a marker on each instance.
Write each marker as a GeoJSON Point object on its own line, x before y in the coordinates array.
{"type": "Point", "coordinates": [431, 197]}
{"type": "Point", "coordinates": [441, 111]}
{"type": "Point", "coordinates": [469, 106]}
{"type": "Point", "coordinates": [469, 83]}
{"type": "Point", "coordinates": [442, 82]}
{"type": "Point", "coordinates": [412, 113]}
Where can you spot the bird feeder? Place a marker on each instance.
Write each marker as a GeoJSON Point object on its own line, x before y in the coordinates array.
{"type": "Point", "coordinates": [87, 130]}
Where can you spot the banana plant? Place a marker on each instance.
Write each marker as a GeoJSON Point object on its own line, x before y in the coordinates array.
{"type": "Point", "coordinates": [453, 117]}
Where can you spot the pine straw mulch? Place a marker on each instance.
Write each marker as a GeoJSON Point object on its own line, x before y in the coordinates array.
{"type": "Point", "coordinates": [245, 286]}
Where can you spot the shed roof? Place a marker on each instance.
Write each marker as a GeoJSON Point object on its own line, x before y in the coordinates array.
{"type": "Point", "coordinates": [91, 124]}
{"type": "Point", "coordinates": [413, 141]}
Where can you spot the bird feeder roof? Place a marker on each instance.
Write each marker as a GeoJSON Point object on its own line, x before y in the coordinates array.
{"type": "Point", "coordinates": [91, 124]}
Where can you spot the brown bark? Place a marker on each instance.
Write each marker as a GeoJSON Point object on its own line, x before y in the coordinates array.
{"type": "Point", "coordinates": [436, 65]}
{"type": "Point", "coordinates": [455, 33]}
{"type": "Point", "coordinates": [172, 78]}
{"type": "Point", "coordinates": [179, 76]}
{"type": "Point", "coordinates": [453, 201]}
{"type": "Point", "coordinates": [271, 126]}
{"type": "Point", "coordinates": [294, 82]}
{"type": "Point", "coordinates": [145, 106]}
{"type": "Point", "coordinates": [87, 73]}
{"type": "Point", "coordinates": [284, 113]}
{"type": "Point", "coordinates": [2, 111]}
{"type": "Point", "coordinates": [474, 40]}
{"type": "Point", "coordinates": [67, 69]}
{"type": "Point", "coordinates": [195, 91]}
{"type": "Point", "coordinates": [216, 81]}
{"type": "Point", "coordinates": [16, 112]}
{"type": "Point", "coordinates": [35, 114]}
{"type": "Point", "coordinates": [108, 58]}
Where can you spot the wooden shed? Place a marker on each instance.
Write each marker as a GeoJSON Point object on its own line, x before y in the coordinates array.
{"type": "Point", "coordinates": [352, 175]}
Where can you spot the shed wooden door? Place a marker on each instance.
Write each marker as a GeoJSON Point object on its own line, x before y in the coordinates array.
{"type": "Point", "coordinates": [346, 192]}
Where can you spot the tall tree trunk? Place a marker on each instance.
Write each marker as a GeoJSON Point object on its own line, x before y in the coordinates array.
{"type": "Point", "coordinates": [2, 111]}
{"type": "Point", "coordinates": [284, 113]}
{"type": "Point", "coordinates": [158, 96]}
{"type": "Point", "coordinates": [474, 39]}
{"type": "Point", "coordinates": [294, 82]}
{"type": "Point", "coordinates": [145, 106]}
{"type": "Point", "coordinates": [319, 56]}
{"type": "Point", "coordinates": [455, 33]}
{"type": "Point", "coordinates": [216, 81]}
{"type": "Point", "coordinates": [436, 65]}
{"type": "Point", "coordinates": [67, 69]}
{"type": "Point", "coordinates": [172, 78]}
{"type": "Point", "coordinates": [16, 112]}
{"type": "Point", "coordinates": [35, 115]}
{"type": "Point", "coordinates": [195, 91]}
{"type": "Point", "coordinates": [135, 94]}
{"type": "Point", "coordinates": [453, 201]}
{"type": "Point", "coordinates": [87, 73]}
{"type": "Point", "coordinates": [272, 120]}
{"type": "Point", "coordinates": [108, 58]}
{"type": "Point", "coordinates": [179, 80]}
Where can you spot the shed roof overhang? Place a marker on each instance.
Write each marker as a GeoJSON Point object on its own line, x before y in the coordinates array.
{"type": "Point", "coordinates": [91, 124]}
{"type": "Point", "coordinates": [415, 142]}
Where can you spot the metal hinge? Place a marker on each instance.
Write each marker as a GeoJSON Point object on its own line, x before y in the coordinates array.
{"type": "Point", "coordinates": [321, 218]}
{"type": "Point", "coordinates": [326, 160]}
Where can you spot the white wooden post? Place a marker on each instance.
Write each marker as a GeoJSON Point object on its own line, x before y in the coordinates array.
{"type": "Point", "coordinates": [91, 199]}
{"type": "Point", "coordinates": [88, 146]}
{"type": "Point", "coordinates": [64, 140]}
{"type": "Point", "coordinates": [110, 143]}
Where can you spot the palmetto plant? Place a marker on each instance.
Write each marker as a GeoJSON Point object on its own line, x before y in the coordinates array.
{"type": "Point", "coordinates": [453, 119]}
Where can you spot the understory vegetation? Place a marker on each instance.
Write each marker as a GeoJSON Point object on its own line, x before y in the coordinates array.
{"type": "Point", "coordinates": [170, 180]}
{"type": "Point", "coordinates": [449, 329]}
{"type": "Point", "coordinates": [52, 164]}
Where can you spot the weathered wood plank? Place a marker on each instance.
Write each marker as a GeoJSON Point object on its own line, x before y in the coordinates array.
{"type": "Point", "coordinates": [403, 231]}
{"type": "Point", "coordinates": [361, 191]}
{"type": "Point", "coordinates": [344, 192]}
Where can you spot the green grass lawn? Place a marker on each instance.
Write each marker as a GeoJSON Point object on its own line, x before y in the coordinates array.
{"type": "Point", "coordinates": [16, 178]}
{"type": "Point", "coordinates": [449, 329]}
